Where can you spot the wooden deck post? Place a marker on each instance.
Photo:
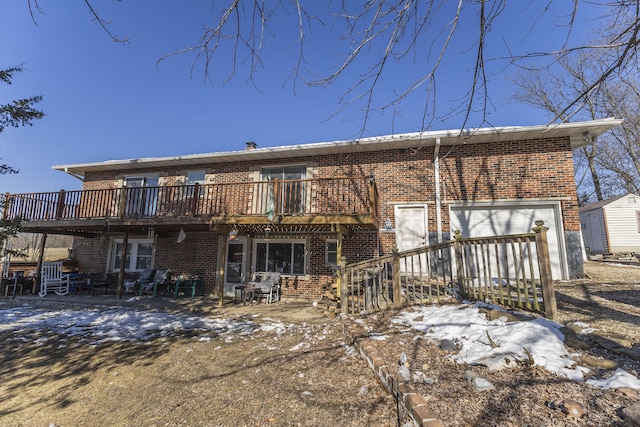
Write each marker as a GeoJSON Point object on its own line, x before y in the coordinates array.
{"type": "Point", "coordinates": [544, 265]}
{"type": "Point", "coordinates": [36, 284]}
{"type": "Point", "coordinates": [60, 205]}
{"type": "Point", "coordinates": [122, 202]}
{"type": "Point", "coordinates": [457, 247]}
{"type": "Point", "coordinates": [196, 199]}
{"type": "Point", "coordinates": [222, 274]}
{"type": "Point", "coordinates": [125, 243]}
{"type": "Point", "coordinates": [395, 278]}
{"type": "Point", "coordinates": [342, 289]}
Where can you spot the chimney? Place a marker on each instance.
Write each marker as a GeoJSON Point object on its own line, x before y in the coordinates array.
{"type": "Point", "coordinates": [250, 146]}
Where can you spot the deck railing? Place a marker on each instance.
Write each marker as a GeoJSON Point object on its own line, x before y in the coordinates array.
{"type": "Point", "coordinates": [512, 271]}
{"type": "Point", "coordinates": [334, 196]}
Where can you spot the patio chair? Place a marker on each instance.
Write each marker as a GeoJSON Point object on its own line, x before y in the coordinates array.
{"type": "Point", "coordinates": [162, 281]}
{"type": "Point", "coordinates": [143, 281]}
{"type": "Point", "coordinates": [14, 281]}
{"type": "Point", "coordinates": [268, 284]}
{"type": "Point", "coordinates": [52, 279]}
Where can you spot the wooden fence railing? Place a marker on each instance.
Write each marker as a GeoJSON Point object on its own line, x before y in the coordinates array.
{"type": "Point", "coordinates": [512, 271]}
{"type": "Point", "coordinates": [339, 196]}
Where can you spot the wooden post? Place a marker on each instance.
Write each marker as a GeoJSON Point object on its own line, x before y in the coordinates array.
{"type": "Point", "coordinates": [122, 202]}
{"type": "Point", "coordinates": [196, 198]}
{"type": "Point", "coordinates": [459, 254]}
{"type": "Point", "coordinates": [344, 295]}
{"type": "Point", "coordinates": [276, 197]}
{"type": "Point", "coordinates": [544, 265]}
{"type": "Point", "coordinates": [36, 283]}
{"type": "Point", "coordinates": [395, 280]}
{"type": "Point", "coordinates": [222, 274]}
{"type": "Point", "coordinates": [60, 205]}
{"type": "Point", "coordinates": [125, 243]}
{"type": "Point", "coordinates": [339, 258]}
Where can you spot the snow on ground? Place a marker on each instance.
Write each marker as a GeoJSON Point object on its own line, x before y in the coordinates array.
{"type": "Point", "coordinates": [465, 325]}
{"type": "Point", "coordinates": [481, 341]}
{"type": "Point", "coordinates": [96, 325]}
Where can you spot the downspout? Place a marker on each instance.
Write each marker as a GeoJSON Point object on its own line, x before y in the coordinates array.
{"type": "Point", "coordinates": [436, 177]}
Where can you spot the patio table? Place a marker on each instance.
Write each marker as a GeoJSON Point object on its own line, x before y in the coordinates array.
{"type": "Point", "coordinates": [247, 293]}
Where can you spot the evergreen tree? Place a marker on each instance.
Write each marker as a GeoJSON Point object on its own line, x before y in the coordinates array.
{"type": "Point", "coordinates": [17, 113]}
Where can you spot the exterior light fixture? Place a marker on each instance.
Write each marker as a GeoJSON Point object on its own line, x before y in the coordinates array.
{"type": "Point", "coordinates": [233, 234]}
{"type": "Point", "coordinates": [151, 233]}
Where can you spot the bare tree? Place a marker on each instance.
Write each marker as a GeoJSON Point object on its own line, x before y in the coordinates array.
{"type": "Point", "coordinates": [612, 162]}
{"type": "Point", "coordinates": [375, 35]}
{"type": "Point", "coordinates": [552, 91]}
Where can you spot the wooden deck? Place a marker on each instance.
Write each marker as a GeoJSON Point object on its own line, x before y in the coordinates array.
{"type": "Point", "coordinates": [350, 201]}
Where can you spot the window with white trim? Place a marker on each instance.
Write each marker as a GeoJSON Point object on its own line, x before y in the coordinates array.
{"type": "Point", "coordinates": [283, 256]}
{"type": "Point", "coordinates": [195, 177]}
{"type": "Point", "coordinates": [139, 254]}
{"type": "Point", "coordinates": [331, 252]}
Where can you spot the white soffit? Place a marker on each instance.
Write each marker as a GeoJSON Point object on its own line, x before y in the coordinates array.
{"type": "Point", "coordinates": [579, 134]}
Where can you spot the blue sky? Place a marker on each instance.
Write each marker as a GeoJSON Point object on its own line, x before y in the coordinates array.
{"type": "Point", "coordinates": [105, 100]}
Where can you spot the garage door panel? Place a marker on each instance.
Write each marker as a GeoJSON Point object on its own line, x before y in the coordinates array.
{"type": "Point", "coordinates": [506, 220]}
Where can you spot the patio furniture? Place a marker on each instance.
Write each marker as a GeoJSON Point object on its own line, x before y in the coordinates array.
{"type": "Point", "coordinates": [247, 293]}
{"type": "Point", "coordinates": [52, 279]}
{"type": "Point", "coordinates": [143, 282]}
{"type": "Point", "coordinates": [189, 283]}
{"type": "Point", "coordinates": [268, 286]}
{"type": "Point", "coordinates": [162, 281]}
{"type": "Point", "coordinates": [17, 279]}
{"type": "Point", "coordinates": [101, 280]}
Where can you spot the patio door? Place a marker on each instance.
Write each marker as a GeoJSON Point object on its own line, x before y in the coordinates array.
{"type": "Point", "coordinates": [234, 270]}
{"type": "Point", "coordinates": [142, 196]}
{"type": "Point", "coordinates": [287, 193]}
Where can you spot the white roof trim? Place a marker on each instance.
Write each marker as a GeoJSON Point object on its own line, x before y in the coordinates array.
{"type": "Point", "coordinates": [575, 131]}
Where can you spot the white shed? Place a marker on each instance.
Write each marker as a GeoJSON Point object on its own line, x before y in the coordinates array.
{"type": "Point", "coordinates": [612, 226]}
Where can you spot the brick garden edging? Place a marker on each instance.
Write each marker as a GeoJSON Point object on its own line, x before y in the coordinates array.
{"type": "Point", "coordinates": [409, 401]}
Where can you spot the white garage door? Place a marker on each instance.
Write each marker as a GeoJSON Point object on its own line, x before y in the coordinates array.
{"type": "Point", "coordinates": [483, 220]}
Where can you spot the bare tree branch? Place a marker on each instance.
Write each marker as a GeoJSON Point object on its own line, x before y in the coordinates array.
{"type": "Point", "coordinates": [104, 24]}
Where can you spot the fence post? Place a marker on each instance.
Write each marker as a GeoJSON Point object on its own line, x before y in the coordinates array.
{"type": "Point", "coordinates": [342, 286]}
{"type": "Point", "coordinates": [544, 265]}
{"type": "Point", "coordinates": [457, 247]}
{"type": "Point", "coordinates": [397, 292]}
{"type": "Point", "coordinates": [60, 206]}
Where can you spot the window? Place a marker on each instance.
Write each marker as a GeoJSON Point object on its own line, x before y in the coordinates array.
{"type": "Point", "coordinates": [284, 256]}
{"type": "Point", "coordinates": [331, 252]}
{"type": "Point", "coordinates": [195, 177]}
{"type": "Point", "coordinates": [139, 255]}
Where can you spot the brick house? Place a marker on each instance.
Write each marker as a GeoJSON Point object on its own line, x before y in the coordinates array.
{"type": "Point", "coordinates": [297, 209]}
